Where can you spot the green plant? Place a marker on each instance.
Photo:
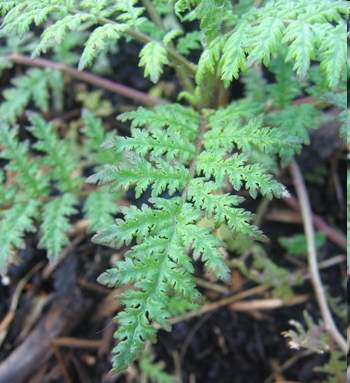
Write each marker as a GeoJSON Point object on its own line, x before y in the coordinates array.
{"type": "Point", "coordinates": [335, 368]}
{"type": "Point", "coordinates": [42, 184]}
{"type": "Point", "coordinates": [193, 159]}
{"type": "Point", "coordinates": [154, 371]}
{"type": "Point", "coordinates": [311, 337]}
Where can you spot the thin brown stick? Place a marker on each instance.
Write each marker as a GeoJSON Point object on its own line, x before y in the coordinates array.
{"type": "Point", "coordinates": [100, 82]}
{"type": "Point", "coordinates": [212, 286]}
{"type": "Point", "coordinates": [216, 305]}
{"type": "Point", "coordinates": [312, 257]}
{"type": "Point", "coordinates": [332, 234]}
{"type": "Point", "coordinates": [9, 317]}
{"type": "Point", "coordinates": [64, 314]}
{"type": "Point", "coordinates": [304, 100]}
{"type": "Point", "coordinates": [61, 364]}
{"type": "Point", "coordinates": [267, 304]}
{"type": "Point", "coordinates": [77, 343]}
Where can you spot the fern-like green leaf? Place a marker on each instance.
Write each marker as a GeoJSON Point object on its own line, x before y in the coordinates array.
{"type": "Point", "coordinates": [164, 157]}
{"type": "Point", "coordinates": [158, 142]}
{"type": "Point", "coordinates": [33, 86]}
{"type": "Point", "coordinates": [161, 175]}
{"type": "Point", "coordinates": [238, 170]}
{"type": "Point", "coordinates": [58, 154]}
{"type": "Point", "coordinates": [20, 15]}
{"type": "Point", "coordinates": [55, 224]}
{"type": "Point", "coordinates": [334, 53]}
{"type": "Point", "coordinates": [98, 144]}
{"type": "Point", "coordinates": [100, 207]}
{"type": "Point", "coordinates": [14, 223]}
{"type": "Point", "coordinates": [55, 33]}
{"type": "Point", "coordinates": [286, 87]}
{"type": "Point", "coordinates": [100, 39]}
{"type": "Point", "coordinates": [29, 176]}
{"type": "Point", "coordinates": [234, 57]}
{"type": "Point", "coordinates": [299, 25]}
{"type": "Point", "coordinates": [153, 57]}
{"type": "Point", "coordinates": [183, 121]}
{"type": "Point", "coordinates": [154, 266]}
{"type": "Point", "coordinates": [154, 370]}
{"type": "Point", "coordinates": [190, 42]}
{"type": "Point", "coordinates": [209, 60]}
{"type": "Point", "coordinates": [301, 38]}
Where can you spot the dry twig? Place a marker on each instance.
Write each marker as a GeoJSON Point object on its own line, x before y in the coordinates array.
{"type": "Point", "coordinates": [312, 257]}
{"type": "Point", "coordinates": [100, 82]}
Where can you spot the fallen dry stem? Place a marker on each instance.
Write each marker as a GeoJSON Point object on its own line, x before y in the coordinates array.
{"type": "Point", "coordinates": [267, 304]}
{"type": "Point", "coordinates": [77, 343]}
{"type": "Point", "coordinates": [100, 82]}
{"type": "Point", "coordinates": [312, 257]}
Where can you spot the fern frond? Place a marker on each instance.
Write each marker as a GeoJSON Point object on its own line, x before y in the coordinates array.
{"type": "Point", "coordinates": [98, 144]}
{"type": "Point", "coordinates": [14, 223]}
{"type": "Point", "coordinates": [55, 224]}
{"type": "Point", "coordinates": [209, 60]}
{"type": "Point", "coordinates": [27, 170]}
{"type": "Point", "coordinates": [207, 248]}
{"type": "Point", "coordinates": [301, 38]}
{"type": "Point", "coordinates": [157, 142]}
{"type": "Point", "coordinates": [171, 35]}
{"type": "Point", "coordinates": [153, 57]}
{"type": "Point", "coordinates": [190, 42]}
{"type": "Point", "coordinates": [222, 207]}
{"type": "Point", "coordinates": [45, 170]}
{"type": "Point", "coordinates": [58, 154]}
{"type": "Point", "coordinates": [130, 13]}
{"type": "Point", "coordinates": [164, 156]}
{"type": "Point", "coordinates": [254, 84]}
{"type": "Point", "coordinates": [233, 60]}
{"type": "Point", "coordinates": [300, 25]}
{"type": "Point", "coordinates": [33, 86]}
{"type": "Point", "coordinates": [335, 368]}
{"type": "Point", "coordinates": [238, 171]}
{"type": "Point", "coordinates": [333, 53]}
{"type": "Point", "coordinates": [211, 13]}
{"type": "Point", "coordinates": [140, 222]}
{"type": "Point", "coordinates": [286, 87]}
{"type": "Point", "coordinates": [20, 15]}
{"type": "Point", "coordinates": [99, 208]}
{"type": "Point", "coordinates": [7, 192]}
{"type": "Point", "coordinates": [181, 120]}
{"type": "Point", "coordinates": [100, 39]}
{"type": "Point", "coordinates": [265, 39]}
{"type": "Point", "coordinates": [340, 101]}
{"type": "Point", "coordinates": [154, 371]}
{"type": "Point", "coordinates": [161, 175]}
{"type": "Point", "coordinates": [240, 125]}
{"type": "Point", "coordinates": [55, 33]}
{"type": "Point", "coordinates": [297, 121]}
{"type": "Point", "coordinates": [156, 269]}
